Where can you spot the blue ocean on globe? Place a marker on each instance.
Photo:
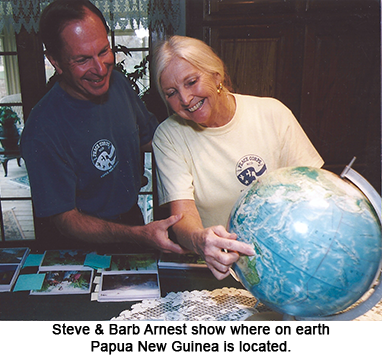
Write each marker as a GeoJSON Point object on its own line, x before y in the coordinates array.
{"type": "Point", "coordinates": [317, 241]}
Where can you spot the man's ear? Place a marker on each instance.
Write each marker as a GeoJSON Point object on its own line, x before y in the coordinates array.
{"type": "Point", "coordinates": [55, 63]}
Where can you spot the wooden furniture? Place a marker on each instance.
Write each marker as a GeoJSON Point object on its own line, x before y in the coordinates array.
{"type": "Point", "coordinates": [320, 58]}
{"type": "Point", "coordinates": [7, 156]}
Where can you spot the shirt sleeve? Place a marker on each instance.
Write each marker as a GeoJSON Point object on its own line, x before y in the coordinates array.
{"type": "Point", "coordinates": [52, 193]}
{"type": "Point", "coordinates": [296, 147]}
{"type": "Point", "coordinates": [174, 177]}
{"type": "Point", "coordinates": [146, 121]}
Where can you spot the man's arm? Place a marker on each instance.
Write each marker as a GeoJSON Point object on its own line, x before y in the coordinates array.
{"type": "Point", "coordinates": [75, 224]}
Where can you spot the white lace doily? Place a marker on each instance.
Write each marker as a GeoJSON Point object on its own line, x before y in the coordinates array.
{"type": "Point", "coordinates": [226, 304]}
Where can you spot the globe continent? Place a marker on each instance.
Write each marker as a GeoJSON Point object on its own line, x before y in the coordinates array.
{"type": "Point", "coordinates": [317, 241]}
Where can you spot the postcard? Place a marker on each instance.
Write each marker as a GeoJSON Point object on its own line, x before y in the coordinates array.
{"type": "Point", "coordinates": [54, 259]}
{"type": "Point", "coordinates": [128, 286]}
{"type": "Point", "coordinates": [58, 282]}
{"type": "Point", "coordinates": [133, 262]}
{"type": "Point", "coordinates": [8, 274]}
{"type": "Point", "coordinates": [13, 255]}
{"type": "Point", "coordinates": [181, 261]}
{"type": "Point", "coordinates": [11, 261]}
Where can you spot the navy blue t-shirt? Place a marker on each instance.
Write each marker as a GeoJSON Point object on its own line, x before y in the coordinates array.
{"type": "Point", "coordinates": [86, 155]}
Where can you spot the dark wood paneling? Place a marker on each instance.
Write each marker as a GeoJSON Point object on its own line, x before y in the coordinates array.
{"type": "Point", "coordinates": [260, 78]}
{"type": "Point", "coordinates": [263, 60]}
{"type": "Point", "coordinates": [319, 57]}
{"type": "Point", "coordinates": [340, 100]}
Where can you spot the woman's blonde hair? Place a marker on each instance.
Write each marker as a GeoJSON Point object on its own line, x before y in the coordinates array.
{"type": "Point", "coordinates": [194, 51]}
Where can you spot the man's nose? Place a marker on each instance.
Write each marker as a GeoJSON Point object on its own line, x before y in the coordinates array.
{"type": "Point", "coordinates": [99, 66]}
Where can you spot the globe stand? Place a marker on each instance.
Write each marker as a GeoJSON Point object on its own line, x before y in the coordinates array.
{"type": "Point", "coordinates": [359, 310]}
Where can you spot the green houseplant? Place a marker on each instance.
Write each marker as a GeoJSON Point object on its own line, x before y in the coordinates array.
{"type": "Point", "coordinates": [149, 95]}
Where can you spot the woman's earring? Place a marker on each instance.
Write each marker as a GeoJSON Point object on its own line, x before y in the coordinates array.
{"type": "Point", "coordinates": [220, 88]}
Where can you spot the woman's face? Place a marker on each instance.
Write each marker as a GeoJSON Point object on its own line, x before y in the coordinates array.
{"type": "Point", "coordinates": [191, 93]}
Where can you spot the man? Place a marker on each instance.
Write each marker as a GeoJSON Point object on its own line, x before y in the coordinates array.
{"type": "Point", "coordinates": [82, 142]}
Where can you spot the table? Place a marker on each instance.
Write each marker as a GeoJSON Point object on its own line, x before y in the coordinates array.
{"type": "Point", "coordinates": [21, 306]}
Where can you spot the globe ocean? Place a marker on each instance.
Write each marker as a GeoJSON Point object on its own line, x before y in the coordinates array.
{"type": "Point", "coordinates": [317, 241]}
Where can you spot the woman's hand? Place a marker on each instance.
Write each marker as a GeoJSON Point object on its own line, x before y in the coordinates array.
{"type": "Point", "coordinates": [215, 244]}
{"type": "Point", "coordinates": [219, 248]}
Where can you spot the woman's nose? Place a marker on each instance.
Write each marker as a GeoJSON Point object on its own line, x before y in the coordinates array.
{"type": "Point", "coordinates": [185, 97]}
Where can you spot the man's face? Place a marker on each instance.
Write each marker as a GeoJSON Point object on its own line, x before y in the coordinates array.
{"type": "Point", "coordinates": [86, 60]}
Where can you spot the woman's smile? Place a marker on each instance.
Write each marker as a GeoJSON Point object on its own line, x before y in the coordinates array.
{"type": "Point", "coordinates": [192, 94]}
{"type": "Point", "coordinates": [196, 106]}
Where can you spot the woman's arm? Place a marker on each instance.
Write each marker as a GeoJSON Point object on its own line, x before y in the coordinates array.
{"type": "Point", "coordinates": [219, 248]}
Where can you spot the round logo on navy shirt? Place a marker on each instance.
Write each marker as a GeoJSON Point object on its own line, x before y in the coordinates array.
{"type": "Point", "coordinates": [103, 155]}
{"type": "Point", "coordinates": [249, 168]}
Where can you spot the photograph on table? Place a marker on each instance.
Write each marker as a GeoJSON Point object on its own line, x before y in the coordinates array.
{"type": "Point", "coordinates": [58, 282]}
{"type": "Point", "coordinates": [58, 258]}
{"type": "Point", "coordinates": [8, 275]}
{"type": "Point", "coordinates": [11, 262]}
{"type": "Point", "coordinates": [133, 262]}
{"type": "Point", "coordinates": [13, 255]}
{"type": "Point", "coordinates": [128, 286]}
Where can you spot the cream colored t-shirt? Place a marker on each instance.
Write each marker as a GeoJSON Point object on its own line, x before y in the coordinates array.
{"type": "Point", "coordinates": [214, 165]}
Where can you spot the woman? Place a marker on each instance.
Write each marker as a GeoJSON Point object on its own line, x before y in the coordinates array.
{"type": "Point", "coordinates": [214, 145]}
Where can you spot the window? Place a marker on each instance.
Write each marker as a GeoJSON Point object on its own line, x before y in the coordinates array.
{"type": "Point", "coordinates": [16, 221]}
{"type": "Point", "coordinates": [15, 197]}
{"type": "Point", "coordinates": [136, 43]}
{"type": "Point", "coordinates": [135, 64]}
{"type": "Point", "coordinates": [9, 77]}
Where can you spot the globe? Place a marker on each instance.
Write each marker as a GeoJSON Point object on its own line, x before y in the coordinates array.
{"type": "Point", "coordinates": [317, 240]}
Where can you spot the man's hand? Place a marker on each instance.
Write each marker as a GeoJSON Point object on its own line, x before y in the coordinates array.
{"type": "Point", "coordinates": [94, 230]}
{"type": "Point", "coordinates": [156, 234]}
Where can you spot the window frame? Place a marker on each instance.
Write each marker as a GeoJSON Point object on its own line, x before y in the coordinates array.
{"type": "Point", "coordinates": [9, 198]}
{"type": "Point", "coordinates": [147, 189]}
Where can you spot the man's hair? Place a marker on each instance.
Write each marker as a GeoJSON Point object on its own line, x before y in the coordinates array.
{"type": "Point", "coordinates": [57, 15]}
